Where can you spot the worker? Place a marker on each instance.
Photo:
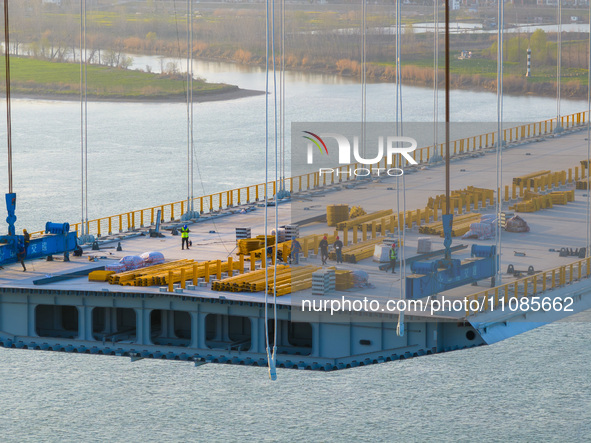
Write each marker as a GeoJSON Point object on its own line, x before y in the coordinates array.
{"type": "Point", "coordinates": [393, 256]}
{"type": "Point", "coordinates": [296, 248]}
{"type": "Point", "coordinates": [22, 252]}
{"type": "Point", "coordinates": [323, 249]}
{"type": "Point", "coordinates": [338, 247]}
{"type": "Point", "coordinates": [185, 236]}
{"type": "Point", "coordinates": [26, 239]}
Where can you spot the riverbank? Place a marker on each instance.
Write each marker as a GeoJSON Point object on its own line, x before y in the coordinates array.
{"type": "Point", "coordinates": [476, 74]}
{"type": "Point", "coordinates": [40, 79]}
{"type": "Point", "coordinates": [232, 93]}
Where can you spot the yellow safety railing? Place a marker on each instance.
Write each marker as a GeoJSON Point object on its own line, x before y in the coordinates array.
{"type": "Point", "coordinates": [248, 194]}
{"type": "Point", "coordinates": [508, 297]}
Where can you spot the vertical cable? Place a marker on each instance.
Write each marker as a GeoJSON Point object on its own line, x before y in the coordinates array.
{"type": "Point", "coordinates": [192, 114]}
{"type": "Point", "coordinates": [85, 124]}
{"type": "Point", "coordinates": [588, 244]}
{"type": "Point", "coordinates": [276, 183]}
{"type": "Point", "coordinates": [447, 200]}
{"type": "Point", "coordinates": [500, 141]}
{"type": "Point", "coordinates": [363, 74]}
{"type": "Point", "coordinates": [83, 121]}
{"type": "Point", "coordinates": [399, 132]}
{"type": "Point", "coordinates": [189, 108]}
{"type": "Point", "coordinates": [435, 74]}
{"type": "Point", "coordinates": [282, 101]}
{"type": "Point", "coordinates": [558, 61]}
{"type": "Point", "coordinates": [8, 110]}
{"type": "Point", "coordinates": [270, 357]}
{"type": "Point", "coordinates": [83, 228]}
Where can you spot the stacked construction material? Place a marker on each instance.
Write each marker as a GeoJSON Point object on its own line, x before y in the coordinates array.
{"type": "Point", "coordinates": [357, 251]}
{"type": "Point", "coordinates": [242, 233]}
{"type": "Point", "coordinates": [424, 245]}
{"type": "Point", "coordinates": [250, 282]}
{"type": "Point", "coordinates": [528, 179]}
{"type": "Point", "coordinates": [464, 199]}
{"type": "Point", "coordinates": [246, 245]}
{"type": "Point", "coordinates": [356, 211]}
{"type": "Point", "coordinates": [323, 282]}
{"type": "Point", "coordinates": [533, 202]}
{"type": "Point", "coordinates": [270, 240]}
{"type": "Point", "coordinates": [461, 225]}
{"type": "Point", "coordinates": [279, 235]}
{"type": "Point", "coordinates": [127, 263]}
{"type": "Point", "coordinates": [160, 274]}
{"type": "Point", "coordinates": [336, 214]}
{"type": "Point", "coordinates": [289, 279]}
{"type": "Point", "coordinates": [129, 277]}
{"type": "Point", "coordinates": [354, 223]}
{"type": "Point", "coordinates": [504, 217]}
{"type": "Point", "coordinates": [299, 278]}
{"type": "Point", "coordinates": [343, 280]}
{"type": "Point", "coordinates": [516, 224]}
{"type": "Point", "coordinates": [152, 258]}
{"type": "Point", "coordinates": [292, 232]}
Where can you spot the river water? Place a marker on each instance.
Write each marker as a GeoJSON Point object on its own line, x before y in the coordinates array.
{"type": "Point", "coordinates": [535, 386]}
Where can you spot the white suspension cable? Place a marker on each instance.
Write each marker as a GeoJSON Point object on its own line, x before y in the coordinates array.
{"type": "Point", "coordinates": [363, 73]}
{"type": "Point", "coordinates": [192, 121]}
{"type": "Point", "coordinates": [435, 75]}
{"type": "Point", "coordinates": [558, 61]}
{"type": "Point", "coordinates": [282, 99]}
{"type": "Point", "coordinates": [270, 360]}
{"type": "Point", "coordinates": [500, 141]}
{"type": "Point", "coordinates": [276, 253]}
{"type": "Point", "coordinates": [588, 244]}
{"type": "Point", "coordinates": [83, 121]}
{"type": "Point", "coordinates": [399, 132]}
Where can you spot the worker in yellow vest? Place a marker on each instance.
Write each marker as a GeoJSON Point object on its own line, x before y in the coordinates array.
{"type": "Point", "coordinates": [184, 237]}
{"type": "Point", "coordinates": [393, 256]}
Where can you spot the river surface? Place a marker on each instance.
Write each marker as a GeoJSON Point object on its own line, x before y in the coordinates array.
{"type": "Point", "coordinates": [536, 386]}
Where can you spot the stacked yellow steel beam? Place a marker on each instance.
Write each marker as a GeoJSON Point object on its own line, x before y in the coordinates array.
{"type": "Point", "coordinates": [362, 219]}
{"type": "Point", "coordinates": [461, 225]}
{"type": "Point", "coordinates": [528, 179]}
{"type": "Point", "coordinates": [336, 214]}
{"type": "Point", "coordinates": [246, 245]}
{"type": "Point", "coordinates": [358, 251]}
{"type": "Point", "coordinates": [296, 279]}
{"type": "Point", "coordinates": [288, 278]}
{"type": "Point", "coordinates": [344, 279]}
{"type": "Point", "coordinates": [124, 277]}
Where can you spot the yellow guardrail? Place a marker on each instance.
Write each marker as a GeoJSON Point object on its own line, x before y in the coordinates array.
{"type": "Point", "coordinates": [508, 297]}
{"type": "Point", "coordinates": [247, 194]}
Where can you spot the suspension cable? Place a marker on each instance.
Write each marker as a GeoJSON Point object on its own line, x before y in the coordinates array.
{"type": "Point", "coordinates": [435, 75]}
{"type": "Point", "coordinates": [588, 244]}
{"type": "Point", "coordinates": [558, 61]}
{"type": "Point", "coordinates": [83, 121]}
{"type": "Point", "coordinates": [276, 253]}
{"type": "Point", "coordinates": [401, 232]}
{"type": "Point", "coordinates": [188, 107]}
{"type": "Point", "coordinates": [270, 357]}
{"type": "Point", "coordinates": [363, 73]}
{"type": "Point", "coordinates": [8, 110]}
{"type": "Point", "coordinates": [500, 141]}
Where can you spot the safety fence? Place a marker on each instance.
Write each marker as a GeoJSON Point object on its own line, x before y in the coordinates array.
{"type": "Point", "coordinates": [517, 295]}
{"type": "Point", "coordinates": [248, 194]}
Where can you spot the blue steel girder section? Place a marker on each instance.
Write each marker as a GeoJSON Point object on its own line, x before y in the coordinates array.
{"type": "Point", "coordinates": [440, 275]}
{"type": "Point", "coordinates": [49, 244]}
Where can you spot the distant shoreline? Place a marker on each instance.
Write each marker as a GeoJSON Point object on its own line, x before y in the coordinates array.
{"type": "Point", "coordinates": [229, 94]}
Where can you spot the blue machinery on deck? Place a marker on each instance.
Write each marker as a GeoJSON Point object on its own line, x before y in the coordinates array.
{"type": "Point", "coordinates": [432, 277]}
{"type": "Point", "coordinates": [57, 239]}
